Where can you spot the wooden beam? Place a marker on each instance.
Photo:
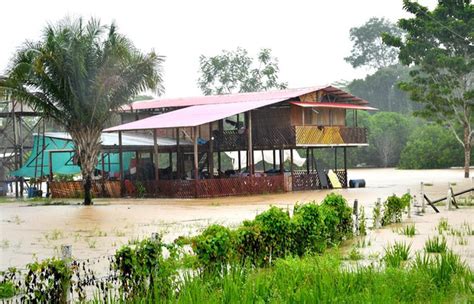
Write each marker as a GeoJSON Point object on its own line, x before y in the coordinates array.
{"type": "Point", "coordinates": [196, 154]}
{"type": "Point", "coordinates": [250, 148]}
{"type": "Point", "coordinates": [122, 186]}
{"type": "Point", "coordinates": [156, 154]}
{"type": "Point", "coordinates": [210, 157]}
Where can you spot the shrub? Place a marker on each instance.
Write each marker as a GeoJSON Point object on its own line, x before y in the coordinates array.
{"type": "Point", "coordinates": [250, 243]}
{"type": "Point", "coordinates": [275, 225]}
{"type": "Point", "coordinates": [142, 267]}
{"type": "Point", "coordinates": [337, 218]}
{"type": "Point", "coordinates": [308, 229]}
{"type": "Point", "coordinates": [393, 208]}
{"type": "Point", "coordinates": [7, 289]}
{"type": "Point", "coordinates": [46, 281]}
{"type": "Point", "coordinates": [213, 247]}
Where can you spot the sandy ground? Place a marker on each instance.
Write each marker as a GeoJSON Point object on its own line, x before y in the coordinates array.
{"type": "Point", "coordinates": [33, 231]}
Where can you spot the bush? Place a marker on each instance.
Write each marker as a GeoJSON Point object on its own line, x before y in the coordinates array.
{"type": "Point", "coordinates": [337, 218]}
{"type": "Point", "coordinates": [275, 225]}
{"type": "Point", "coordinates": [142, 267]}
{"type": "Point", "coordinates": [308, 229]}
{"type": "Point", "coordinates": [393, 208]}
{"type": "Point", "coordinates": [250, 243]}
{"type": "Point", "coordinates": [7, 289]}
{"type": "Point", "coordinates": [46, 281]}
{"type": "Point", "coordinates": [214, 247]}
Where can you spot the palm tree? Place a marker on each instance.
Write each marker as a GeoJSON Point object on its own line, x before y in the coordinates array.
{"type": "Point", "coordinates": [77, 74]}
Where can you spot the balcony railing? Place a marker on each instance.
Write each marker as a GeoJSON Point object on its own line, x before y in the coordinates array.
{"type": "Point", "coordinates": [267, 138]}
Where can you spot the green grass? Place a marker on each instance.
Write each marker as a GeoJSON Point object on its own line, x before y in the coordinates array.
{"type": "Point", "coordinates": [436, 245]}
{"type": "Point", "coordinates": [443, 225]}
{"type": "Point", "coordinates": [408, 230]}
{"type": "Point", "coordinates": [322, 280]}
{"type": "Point", "coordinates": [396, 255]}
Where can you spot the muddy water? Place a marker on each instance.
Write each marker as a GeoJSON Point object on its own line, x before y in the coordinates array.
{"type": "Point", "coordinates": [29, 232]}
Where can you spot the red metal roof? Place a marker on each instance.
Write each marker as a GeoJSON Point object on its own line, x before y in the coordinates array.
{"type": "Point", "coordinates": [336, 105]}
{"type": "Point", "coordinates": [240, 97]}
{"type": "Point", "coordinates": [193, 116]}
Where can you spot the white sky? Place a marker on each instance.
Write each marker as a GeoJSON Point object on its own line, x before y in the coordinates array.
{"type": "Point", "coordinates": [310, 38]}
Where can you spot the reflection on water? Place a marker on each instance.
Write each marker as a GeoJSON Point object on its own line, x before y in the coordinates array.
{"type": "Point", "coordinates": [100, 229]}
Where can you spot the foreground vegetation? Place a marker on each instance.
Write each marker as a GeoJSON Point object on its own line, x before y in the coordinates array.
{"type": "Point", "coordinates": [278, 257]}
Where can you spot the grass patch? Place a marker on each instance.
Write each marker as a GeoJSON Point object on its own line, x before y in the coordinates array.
{"type": "Point", "coordinates": [436, 245]}
{"type": "Point", "coordinates": [7, 289]}
{"type": "Point", "coordinates": [443, 225]}
{"type": "Point", "coordinates": [355, 255]}
{"type": "Point", "coordinates": [408, 230]}
{"type": "Point", "coordinates": [396, 255]}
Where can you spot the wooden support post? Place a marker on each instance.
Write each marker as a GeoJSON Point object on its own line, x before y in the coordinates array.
{"type": "Point", "coordinates": [250, 147]}
{"type": "Point", "coordinates": [240, 160]}
{"type": "Point", "coordinates": [122, 186]}
{"type": "Point", "coordinates": [355, 212]}
{"type": "Point", "coordinates": [345, 167]}
{"type": "Point", "coordinates": [178, 154]}
{"type": "Point", "coordinates": [210, 157]}
{"type": "Point", "coordinates": [307, 160]}
{"type": "Point", "coordinates": [156, 155]}
{"type": "Point", "coordinates": [170, 157]}
{"type": "Point", "coordinates": [263, 160]}
{"type": "Point", "coordinates": [282, 162]}
{"type": "Point", "coordinates": [274, 160]}
{"type": "Point", "coordinates": [291, 160]}
{"type": "Point", "coordinates": [102, 157]}
{"type": "Point", "coordinates": [196, 160]}
{"type": "Point", "coordinates": [335, 159]}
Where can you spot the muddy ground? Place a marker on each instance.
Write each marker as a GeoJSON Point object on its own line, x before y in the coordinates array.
{"type": "Point", "coordinates": [30, 230]}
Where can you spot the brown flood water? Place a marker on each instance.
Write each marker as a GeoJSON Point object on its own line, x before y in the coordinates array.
{"type": "Point", "coordinates": [28, 232]}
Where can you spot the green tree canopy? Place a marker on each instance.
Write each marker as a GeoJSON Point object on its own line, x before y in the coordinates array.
{"type": "Point", "coordinates": [440, 46]}
{"type": "Point", "coordinates": [381, 88]}
{"type": "Point", "coordinates": [235, 72]}
{"type": "Point", "coordinates": [76, 74]}
{"type": "Point", "coordinates": [431, 146]}
{"type": "Point", "coordinates": [369, 49]}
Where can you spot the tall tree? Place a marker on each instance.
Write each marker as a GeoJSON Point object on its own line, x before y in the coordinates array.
{"type": "Point", "coordinates": [381, 88]}
{"type": "Point", "coordinates": [440, 46]}
{"type": "Point", "coordinates": [76, 74]}
{"type": "Point", "coordinates": [369, 49]}
{"type": "Point", "coordinates": [235, 71]}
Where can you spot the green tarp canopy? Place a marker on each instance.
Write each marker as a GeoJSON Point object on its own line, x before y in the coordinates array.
{"type": "Point", "coordinates": [37, 164]}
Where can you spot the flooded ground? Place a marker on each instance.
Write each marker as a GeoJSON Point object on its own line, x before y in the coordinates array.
{"type": "Point", "coordinates": [29, 230]}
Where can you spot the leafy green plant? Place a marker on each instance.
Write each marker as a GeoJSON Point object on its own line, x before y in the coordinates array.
{"type": "Point", "coordinates": [275, 225]}
{"type": "Point", "coordinates": [250, 243]}
{"type": "Point", "coordinates": [7, 289]}
{"type": "Point", "coordinates": [47, 281]}
{"type": "Point", "coordinates": [436, 245]}
{"type": "Point", "coordinates": [393, 208]}
{"type": "Point", "coordinates": [396, 255]}
{"type": "Point", "coordinates": [337, 218]}
{"type": "Point", "coordinates": [308, 229]}
{"type": "Point", "coordinates": [142, 269]}
{"type": "Point", "coordinates": [214, 247]}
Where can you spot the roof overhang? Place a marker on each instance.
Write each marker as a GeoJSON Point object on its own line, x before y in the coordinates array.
{"type": "Point", "coordinates": [334, 105]}
{"type": "Point", "coordinates": [193, 116]}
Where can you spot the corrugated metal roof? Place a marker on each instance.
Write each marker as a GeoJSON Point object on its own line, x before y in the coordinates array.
{"type": "Point", "coordinates": [336, 105]}
{"type": "Point", "coordinates": [127, 140]}
{"type": "Point", "coordinates": [193, 116]}
{"type": "Point", "coordinates": [240, 97]}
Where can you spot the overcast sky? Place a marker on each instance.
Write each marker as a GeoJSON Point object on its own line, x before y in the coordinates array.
{"type": "Point", "coordinates": [310, 38]}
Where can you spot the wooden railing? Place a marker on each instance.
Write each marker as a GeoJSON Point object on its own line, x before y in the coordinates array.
{"type": "Point", "coordinates": [289, 136]}
{"type": "Point", "coordinates": [205, 188]}
{"type": "Point", "coordinates": [329, 135]}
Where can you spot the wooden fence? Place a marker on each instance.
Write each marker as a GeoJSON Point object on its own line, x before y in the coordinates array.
{"type": "Point", "coordinates": [74, 189]}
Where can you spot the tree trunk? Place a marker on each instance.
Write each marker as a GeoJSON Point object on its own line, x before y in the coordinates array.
{"type": "Point", "coordinates": [87, 144]}
{"type": "Point", "coordinates": [467, 152]}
